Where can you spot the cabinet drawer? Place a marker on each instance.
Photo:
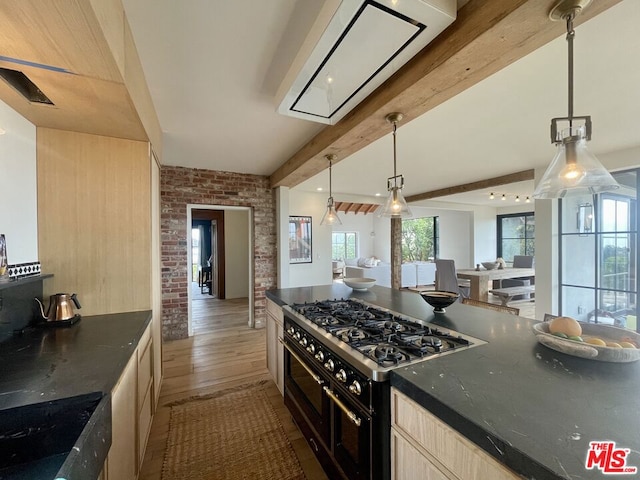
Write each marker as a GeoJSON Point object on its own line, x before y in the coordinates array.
{"type": "Point", "coordinates": [459, 455]}
{"type": "Point", "coordinates": [407, 463]}
{"type": "Point", "coordinates": [275, 311]}
{"type": "Point", "coordinates": [145, 368]}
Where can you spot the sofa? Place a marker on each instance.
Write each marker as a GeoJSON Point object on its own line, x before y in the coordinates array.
{"type": "Point", "coordinates": [413, 274]}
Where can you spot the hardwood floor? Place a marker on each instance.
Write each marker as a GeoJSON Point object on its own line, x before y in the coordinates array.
{"type": "Point", "coordinates": [223, 353]}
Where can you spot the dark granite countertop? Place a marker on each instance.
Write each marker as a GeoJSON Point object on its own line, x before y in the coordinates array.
{"type": "Point", "coordinates": [46, 364]}
{"type": "Point", "coordinates": [532, 408]}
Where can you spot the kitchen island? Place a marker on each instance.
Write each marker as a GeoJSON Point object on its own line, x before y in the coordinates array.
{"type": "Point", "coordinates": [533, 409]}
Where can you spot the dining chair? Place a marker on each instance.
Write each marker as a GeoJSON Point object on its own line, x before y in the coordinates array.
{"type": "Point", "coordinates": [491, 306]}
{"type": "Point", "coordinates": [520, 261]}
{"type": "Point", "coordinates": [447, 280]}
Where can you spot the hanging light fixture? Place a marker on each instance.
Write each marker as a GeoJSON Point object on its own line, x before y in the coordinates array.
{"type": "Point", "coordinates": [330, 217]}
{"type": "Point", "coordinates": [396, 205]}
{"type": "Point", "coordinates": [491, 196]}
{"type": "Point", "coordinates": [574, 169]}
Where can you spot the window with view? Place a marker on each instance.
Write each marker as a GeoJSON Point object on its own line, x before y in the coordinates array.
{"type": "Point", "coordinates": [516, 235]}
{"type": "Point", "coordinates": [599, 255]}
{"type": "Point", "coordinates": [344, 245]}
{"type": "Point", "coordinates": [420, 238]}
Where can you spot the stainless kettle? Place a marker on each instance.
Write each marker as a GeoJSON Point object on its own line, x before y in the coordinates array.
{"type": "Point", "coordinates": [60, 307]}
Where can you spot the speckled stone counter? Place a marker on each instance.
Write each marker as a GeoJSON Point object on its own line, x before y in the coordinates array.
{"type": "Point", "coordinates": [50, 363]}
{"type": "Point", "coordinates": [532, 408]}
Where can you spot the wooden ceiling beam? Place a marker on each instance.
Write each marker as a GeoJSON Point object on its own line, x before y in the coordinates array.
{"type": "Point", "coordinates": [470, 187]}
{"type": "Point", "coordinates": [486, 37]}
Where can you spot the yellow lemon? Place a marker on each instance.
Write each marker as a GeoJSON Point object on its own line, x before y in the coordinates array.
{"type": "Point", "coordinates": [596, 341]}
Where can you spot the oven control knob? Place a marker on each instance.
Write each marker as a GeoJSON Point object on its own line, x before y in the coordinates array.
{"type": "Point", "coordinates": [355, 388]}
{"type": "Point", "coordinates": [297, 336]}
{"type": "Point", "coordinates": [320, 356]}
{"type": "Point", "coordinates": [311, 349]}
{"type": "Point", "coordinates": [303, 341]}
{"type": "Point", "coordinates": [342, 376]}
{"type": "Point", "coordinates": [330, 365]}
{"type": "Point", "coordinates": [291, 330]}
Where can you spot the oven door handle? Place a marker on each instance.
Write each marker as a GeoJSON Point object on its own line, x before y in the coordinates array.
{"type": "Point", "coordinates": [352, 416]}
{"type": "Point", "coordinates": [316, 377]}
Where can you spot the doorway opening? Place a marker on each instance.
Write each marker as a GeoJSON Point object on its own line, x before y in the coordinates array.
{"type": "Point", "coordinates": [220, 259]}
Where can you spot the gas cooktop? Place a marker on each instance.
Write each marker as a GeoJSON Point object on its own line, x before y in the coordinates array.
{"type": "Point", "coordinates": [382, 336]}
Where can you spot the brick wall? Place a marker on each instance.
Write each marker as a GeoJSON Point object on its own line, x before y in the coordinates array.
{"type": "Point", "coordinates": [181, 186]}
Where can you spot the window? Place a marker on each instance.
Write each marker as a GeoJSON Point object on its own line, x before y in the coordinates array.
{"type": "Point", "coordinates": [195, 252]}
{"type": "Point", "coordinates": [344, 245]}
{"type": "Point", "coordinates": [599, 256]}
{"type": "Point", "coordinates": [420, 239]}
{"type": "Point", "coordinates": [516, 235]}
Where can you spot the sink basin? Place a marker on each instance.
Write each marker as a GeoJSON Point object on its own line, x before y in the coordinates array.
{"type": "Point", "coordinates": [67, 438]}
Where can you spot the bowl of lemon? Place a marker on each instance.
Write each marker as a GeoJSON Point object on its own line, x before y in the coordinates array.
{"type": "Point", "coordinates": [589, 340]}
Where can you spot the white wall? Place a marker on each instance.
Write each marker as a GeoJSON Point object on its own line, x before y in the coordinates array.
{"type": "Point", "coordinates": [456, 232]}
{"type": "Point", "coordinates": [484, 235]}
{"type": "Point", "coordinates": [363, 226]}
{"type": "Point", "coordinates": [318, 272]}
{"type": "Point", "coordinates": [236, 253]}
{"type": "Point", "coordinates": [19, 207]}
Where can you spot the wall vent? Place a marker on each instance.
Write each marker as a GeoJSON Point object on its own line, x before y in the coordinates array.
{"type": "Point", "coordinates": [25, 87]}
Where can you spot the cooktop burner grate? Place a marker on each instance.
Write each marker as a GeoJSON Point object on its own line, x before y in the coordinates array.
{"type": "Point", "coordinates": [380, 335]}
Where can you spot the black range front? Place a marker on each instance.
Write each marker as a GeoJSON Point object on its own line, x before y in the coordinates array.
{"type": "Point", "coordinates": [338, 355]}
{"type": "Point", "coordinates": [343, 415]}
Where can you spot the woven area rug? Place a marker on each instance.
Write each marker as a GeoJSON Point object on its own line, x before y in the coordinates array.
{"type": "Point", "coordinates": [229, 435]}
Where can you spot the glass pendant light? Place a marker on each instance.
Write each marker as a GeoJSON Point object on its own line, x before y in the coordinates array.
{"type": "Point", "coordinates": [396, 205]}
{"type": "Point", "coordinates": [574, 170]}
{"type": "Point", "coordinates": [330, 217]}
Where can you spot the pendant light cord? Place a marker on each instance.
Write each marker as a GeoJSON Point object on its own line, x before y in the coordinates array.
{"type": "Point", "coordinates": [395, 125]}
{"type": "Point", "coordinates": [330, 194]}
{"type": "Point", "coordinates": [570, 36]}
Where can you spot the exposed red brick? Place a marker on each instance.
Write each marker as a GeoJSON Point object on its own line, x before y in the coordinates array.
{"type": "Point", "coordinates": [180, 186]}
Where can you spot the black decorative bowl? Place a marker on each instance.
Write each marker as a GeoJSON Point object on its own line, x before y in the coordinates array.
{"type": "Point", "coordinates": [439, 299]}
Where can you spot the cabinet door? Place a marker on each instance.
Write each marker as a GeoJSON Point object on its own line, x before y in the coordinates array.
{"type": "Point", "coordinates": [122, 461]}
{"type": "Point", "coordinates": [279, 353]}
{"type": "Point", "coordinates": [272, 339]}
{"type": "Point", "coordinates": [407, 463]}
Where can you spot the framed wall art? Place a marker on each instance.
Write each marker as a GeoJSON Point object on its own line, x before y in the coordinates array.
{"type": "Point", "coordinates": [300, 240]}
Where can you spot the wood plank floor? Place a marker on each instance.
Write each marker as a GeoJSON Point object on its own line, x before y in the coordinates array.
{"type": "Point", "coordinates": [223, 353]}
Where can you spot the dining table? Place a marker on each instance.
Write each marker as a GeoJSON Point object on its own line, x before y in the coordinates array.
{"type": "Point", "coordinates": [479, 279]}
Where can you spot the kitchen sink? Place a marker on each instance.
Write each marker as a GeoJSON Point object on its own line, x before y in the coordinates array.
{"type": "Point", "coordinates": [61, 439]}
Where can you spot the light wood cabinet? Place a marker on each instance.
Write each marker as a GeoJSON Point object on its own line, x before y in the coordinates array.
{"type": "Point", "coordinates": [425, 448]}
{"type": "Point", "coordinates": [122, 461]}
{"type": "Point", "coordinates": [131, 411]}
{"type": "Point", "coordinates": [275, 352]}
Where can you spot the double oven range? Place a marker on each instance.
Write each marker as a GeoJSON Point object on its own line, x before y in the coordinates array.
{"type": "Point", "coordinates": [338, 355]}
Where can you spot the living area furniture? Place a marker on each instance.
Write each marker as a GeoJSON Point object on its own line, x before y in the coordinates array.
{"type": "Point", "coordinates": [520, 261]}
{"type": "Point", "coordinates": [480, 279]}
{"type": "Point", "coordinates": [446, 279]}
{"type": "Point", "coordinates": [413, 274]}
{"type": "Point", "coordinates": [491, 306]}
{"type": "Point", "coordinates": [510, 293]}
{"type": "Point", "coordinates": [337, 267]}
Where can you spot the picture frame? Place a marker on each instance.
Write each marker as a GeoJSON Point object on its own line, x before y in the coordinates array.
{"type": "Point", "coordinates": [300, 240]}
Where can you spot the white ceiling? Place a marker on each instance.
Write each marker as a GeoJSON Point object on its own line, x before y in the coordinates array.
{"type": "Point", "coordinates": [213, 68]}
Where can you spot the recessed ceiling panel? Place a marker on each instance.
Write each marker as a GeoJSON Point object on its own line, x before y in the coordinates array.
{"type": "Point", "coordinates": [364, 43]}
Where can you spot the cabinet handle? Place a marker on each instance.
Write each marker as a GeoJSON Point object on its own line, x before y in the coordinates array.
{"type": "Point", "coordinates": [317, 378]}
{"type": "Point", "coordinates": [352, 416]}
